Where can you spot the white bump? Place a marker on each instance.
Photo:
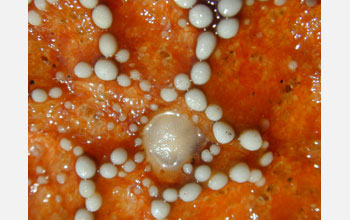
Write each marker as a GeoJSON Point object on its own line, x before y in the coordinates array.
{"type": "Point", "coordinates": [170, 195]}
{"type": "Point", "coordinates": [227, 28]}
{"type": "Point", "coordinates": [55, 92]}
{"type": "Point", "coordinates": [42, 180]}
{"type": "Point", "coordinates": [119, 156]}
{"type": "Point", "coordinates": [85, 167]}
{"type": "Point", "coordinates": [206, 156]}
{"type": "Point", "coordinates": [261, 182]}
{"type": "Point", "coordinates": [122, 55]}
{"type": "Point", "coordinates": [153, 191]}
{"type": "Point", "coordinates": [122, 174]}
{"type": "Point", "coordinates": [185, 3]}
{"type": "Point", "coordinates": [108, 170]}
{"type": "Point", "coordinates": [39, 95]}
{"type": "Point", "coordinates": [40, 170]}
{"type": "Point", "coordinates": [66, 144]}
{"type": "Point", "coordinates": [94, 202]}
{"type": "Point", "coordinates": [145, 85]}
{"type": "Point", "coordinates": [311, 3]}
{"type": "Point", "coordinates": [250, 139]}
{"type": "Point", "coordinates": [83, 214]}
{"type": "Point", "coordinates": [133, 128]}
{"type": "Point", "coordinates": [214, 149]}
{"type": "Point", "coordinates": [138, 142]}
{"type": "Point", "coordinates": [223, 132]}
{"type": "Point", "coordinates": [123, 80]}
{"type": "Point", "coordinates": [214, 112]}
{"type": "Point", "coordinates": [154, 107]}
{"type": "Point", "coordinates": [293, 65]}
{"type": "Point", "coordinates": [182, 82]}
{"type": "Point", "coordinates": [146, 182]}
{"type": "Point", "coordinates": [110, 126]}
{"type": "Point", "coordinates": [206, 44]}
{"type": "Point", "coordinates": [89, 4]}
{"type": "Point", "coordinates": [108, 44]}
{"type": "Point", "coordinates": [279, 2]}
{"type": "Point", "coordinates": [106, 70]}
{"type": "Point", "coordinates": [102, 17]}
{"type": "Point", "coordinates": [86, 188]}
{"type": "Point", "coordinates": [200, 16]}
{"type": "Point", "coordinates": [160, 209]}
{"type": "Point", "coordinates": [40, 4]}
{"type": "Point", "coordinates": [135, 75]}
{"type": "Point", "coordinates": [229, 8]}
{"type": "Point", "coordinates": [196, 100]}
{"type": "Point", "coordinates": [190, 192]}
{"type": "Point", "coordinates": [144, 119]}
{"type": "Point", "coordinates": [217, 181]}
{"type": "Point", "coordinates": [61, 178]}
{"type": "Point", "coordinates": [34, 18]}
{"type": "Point", "coordinates": [182, 22]}
{"type": "Point", "coordinates": [266, 159]}
{"type": "Point", "coordinates": [187, 168]}
{"type": "Point", "coordinates": [200, 73]}
{"type": "Point", "coordinates": [250, 2]}
{"type": "Point", "coordinates": [129, 166]}
{"type": "Point", "coordinates": [83, 70]}
{"type": "Point", "coordinates": [265, 145]}
{"type": "Point", "coordinates": [139, 157]}
{"type": "Point", "coordinates": [168, 94]}
{"type": "Point", "coordinates": [202, 173]}
{"type": "Point", "coordinates": [240, 172]}
{"type": "Point", "coordinates": [116, 107]}
{"type": "Point", "coordinates": [77, 151]}
{"type": "Point", "coordinates": [60, 76]}
{"type": "Point", "coordinates": [255, 175]}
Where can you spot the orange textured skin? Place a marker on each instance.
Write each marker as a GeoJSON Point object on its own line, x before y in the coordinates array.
{"type": "Point", "coordinates": [250, 81]}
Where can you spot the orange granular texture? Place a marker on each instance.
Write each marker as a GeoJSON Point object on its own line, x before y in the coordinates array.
{"type": "Point", "coordinates": [250, 81]}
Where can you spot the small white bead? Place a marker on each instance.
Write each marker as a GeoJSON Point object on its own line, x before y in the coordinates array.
{"type": "Point", "coordinates": [279, 2]}
{"type": "Point", "coordinates": [147, 168]}
{"type": "Point", "coordinates": [108, 44]}
{"type": "Point", "coordinates": [144, 119]}
{"type": "Point", "coordinates": [77, 151]}
{"type": "Point", "coordinates": [196, 100]}
{"type": "Point", "coordinates": [187, 168]}
{"type": "Point", "coordinates": [34, 18]}
{"type": "Point", "coordinates": [106, 70]}
{"type": "Point", "coordinates": [293, 65]}
{"type": "Point", "coordinates": [146, 182]}
{"type": "Point", "coordinates": [154, 107]}
{"type": "Point", "coordinates": [87, 188]}
{"type": "Point", "coordinates": [206, 156]}
{"type": "Point", "coordinates": [83, 214]}
{"type": "Point", "coordinates": [66, 144]}
{"type": "Point", "coordinates": [185, 3]}
{"type": "Point", "coordinates": [135, 75]}
{"type": "Point", "coordinates": [170, 195]}
{"type": "Point", "coordinates": [255, 175]}
{"type": "Point", "coordinates": [200, 73]}
{"type": "Point", "coordinates": [138, 142]}
{"type": "Point", "coordinates": [202, 173]}
{"type": "Point", "coordinates": [40, 4]}
{"type": "Point", "coordinates": [60, 76]}
{"type": "Point", "coordinates": [89, 4]}
{"type": "Point", "coordinates": [40, 170]}
{"type": "Point", "coordinates": [108, 170]}
{"type": "Point", "coordinates": [223, 132]}
{"type": "Point", "coordinates": [160, 209]}
{"type": "Point", "coordinates": [182, 82]}
{"type": "Point", "coordinates": [214, 149]}
{"type": "Point", "coordinates": [229, 8]}
{"type": "Point", "coordinates": [39, 95]}
{"type": "Point", "coordinates": [42, 180]}
{"type": "Point", "coordinates": [94, 202]}
{"type": "Point", "coordinates": [133, 128]}
{"type": "Point", "coordinates": [200, 16]}
{"type": "Point", "coordinates": [116, 107]}
{"type": "Point", "coordinates": [265, 145]}
{"type": "Point", "coordinates": [266, 159]}
{"type": "Point", "coordinates": [139, 157]}
{"type": "Point", "coordinates": [102, 17]}
{"type": "Point", "coordinates": [206, 43]}
{"type": "Point", "coordinates": [145, 85]}
{"type": "Point", "coordinates": [85, 167]}
{"type": "Point", "coordinates": [61, 178]}
{"type": "Point", "coordinates": [240, 172]}
{"type": "Point", "coordinates": [168, 94]}
{"type": "Point", "coordinates": [261, 182]}
{"type": "Point", "coordinates": [311, 3]}
{"type": "Point", "coordinates": [55, 92]}
{"type": "Point", "coordinates": [250, 139]}
{"type": "Point", "coordinates": [119, 156]}
{"type": "Point", "coordinates": [190, 192]}
{"type": "Point", "coordinates": [214, 112]}
{"type": "Point", "coordinates": [217, 181]}
{"type": "Point", "coordinates": [123, 80]}
{"type": "Point", "coordinates": [122, 174]}
{"type": "Point", "coordinates": [122, 55]}
{"type": "Point", "coordinates": [110, 126]}
{"type": "Point", "coordinates": [129, 166]}
{"type": "Point", "coordinates": [227, 28]}
{"type": "Point", "coordinates": [153, 191]}
{"type": "Point", "coordinates": [83, 70]}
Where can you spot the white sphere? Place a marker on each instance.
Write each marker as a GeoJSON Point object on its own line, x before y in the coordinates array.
{"type": "Point", "coordinates": [83, 70]}
{"type": "Point", "coordinates": [39, 95]}
{"type": "Point", "coordinates": [106, 70]}
{"type": "Point", "coordinates": [196, 100]}
{"type": "Point", "coordinates": [182, 82]}
{"type": "Point", "coordinates": [190, 192]}
{"type": "Point", "coordinates": [85, 167]}
{"type": "Point", "coordinates": [34, 18]}
{"type": "Point", "coordinates": [214, 112]}
{"type": "Point", "coordinates": [94, 202]}
{"type": "Point", "coordinates": [108, 170]}
{"type": "Point", "coordinates": [250, 140]}
{"type": "Point", "coordinates": [266, 159]}
{"type": "Point", "coordinates": [83, 214]}
{"type": "Point", "coordinates": [185, 3]}
{"type": "Point", "coordinates": [122, 55]}
{"type": "Point", "coordinates": [206, 156]}
{"type": "Point", "coordinates": [87, 188]}
{"type": "Point", "coordinates": [223, 132]}
{"type": "Point", "coordinates": [55, 92]}
{"type": "Point", "coordinates": [200, 16]}
{"type": "Point", "coordinates": [200, 73]}
{"type": "Point", "coordinates": [123, 80]}
{"type": "Point", "coordinates": [187, 168]}
{"type": "Point", "coordinates": [206, 43]}
{"type": "Point", "coordinates": [102, 17]}
{"type": "Point", "coordinates": [170, 195]}
{"type": "Point", "coordinates": [214, 149]}
{"type": "Point", "coordinates": [255, 175]}
{"type": "Point", "coordinates": [108, 44]}
{"type": "Point", "coordinates": [119, 156]}
{"type": "Point", "coordinates": [229, 8]}
{"type": "Point", "coordinates": [168, 94]}
{"type": "Point", "coordinates": [129, 166]}
{"type": "Point", "coordinates": [202, 173]}
{"type": "Point", "coordinates": [217, 181]}
{"type": "Point", "coordinates": [89, 4]}
{"type": "Point", "coordinates": [240, 172]}
{"type": "Point", "coordinates": [227, 28]}
{"type": "Point", "coordinates": [160, 209]}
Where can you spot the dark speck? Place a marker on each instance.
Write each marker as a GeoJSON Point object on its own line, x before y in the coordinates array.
{"type": "Point", "coordinates": [31, 82]}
